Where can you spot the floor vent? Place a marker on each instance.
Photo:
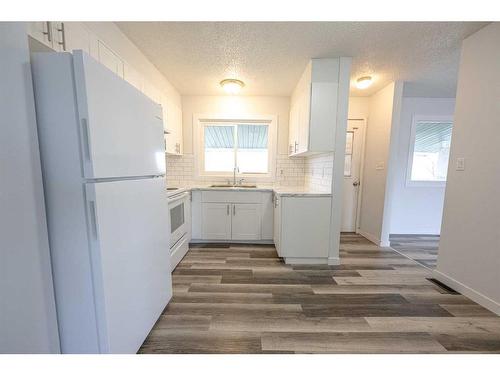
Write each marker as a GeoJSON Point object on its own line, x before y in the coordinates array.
{"type": "Point", "coordinates": [443, 286]}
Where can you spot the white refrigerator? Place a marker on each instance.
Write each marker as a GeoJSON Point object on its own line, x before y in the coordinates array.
{"type": "Point", "coordinates": [103, 164]}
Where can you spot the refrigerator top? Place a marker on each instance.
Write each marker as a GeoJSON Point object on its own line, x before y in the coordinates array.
{"type": "Point", "coordinates": [121, 129]}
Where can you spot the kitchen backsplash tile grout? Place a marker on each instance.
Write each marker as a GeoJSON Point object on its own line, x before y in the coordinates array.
{"type": "Point", "coordinates": [312, 173]}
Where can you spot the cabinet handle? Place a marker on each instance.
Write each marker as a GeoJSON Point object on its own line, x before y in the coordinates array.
{"type": "Point", "coordinates": [234, 210]}
{"type": "Point", "coordinates": [48, 32]}
{"type": "Point", "coordinates": [227, 210]}
{"type": "Point", "coordinates": [296, 146]}
{"type": "Point", "coordinates": [63, 35]}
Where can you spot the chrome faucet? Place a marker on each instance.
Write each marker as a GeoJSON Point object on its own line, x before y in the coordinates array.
{"type": "Point", "coordinates": [236, 169]}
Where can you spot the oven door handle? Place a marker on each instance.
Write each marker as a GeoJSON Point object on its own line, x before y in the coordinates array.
{"type": "Point", "coordinates": [175, 198]}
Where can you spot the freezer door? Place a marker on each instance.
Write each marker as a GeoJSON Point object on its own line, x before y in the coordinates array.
{"type": "Point", "coordinates": [121, 129]}
{"type": "Point", "coordinates": [129, 225]}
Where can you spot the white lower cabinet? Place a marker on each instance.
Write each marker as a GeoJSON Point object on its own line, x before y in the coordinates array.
{"type": "Point", "coordinates": [216, 221]}
{"type": "Point", "coordinates": [232, 215]}
{"type": "Point", "coordinates": [277, 224]}
{"type": "Point", "coordinates": [245, 223]}
{"type": "Point", "coordinates": [302, 228]}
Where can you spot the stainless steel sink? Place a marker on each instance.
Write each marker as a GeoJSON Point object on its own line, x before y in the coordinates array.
{"type": "Point", "coordinates": [234, 186]}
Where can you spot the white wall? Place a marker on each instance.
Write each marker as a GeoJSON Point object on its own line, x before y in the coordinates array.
{"type": "Point", "coordinates": [181, 169]}
{"type": "Point", "coordinates": [27, 309]}
{"type": "Point", "coordinates": [416, 209]}
{"type": "Point", "coordinates": [359, 107]}
{"type": "Point", "coordinates": [469, 249]}
{"type": "Point", "coordinates": [381, 138]}
{"type": "Point", "coordinates": [236, 105]}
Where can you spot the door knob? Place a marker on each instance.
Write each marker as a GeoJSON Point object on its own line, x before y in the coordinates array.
{"type": "Point", "coordinates": [355, 183]}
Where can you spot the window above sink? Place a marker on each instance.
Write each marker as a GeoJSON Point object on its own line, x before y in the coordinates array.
{"type": "Point", "coordinates": [241, 147]}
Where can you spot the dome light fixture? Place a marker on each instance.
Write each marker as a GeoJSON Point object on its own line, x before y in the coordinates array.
{"type": "Point", "coordinates": [232, 86]}
{"type": "Point", "coordinates": [363, 82]}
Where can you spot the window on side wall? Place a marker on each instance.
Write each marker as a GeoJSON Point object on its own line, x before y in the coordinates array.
{"type": "Point", "coordinates": [429, 151]}
{"type": "Point", "coordinates": [229, 145]}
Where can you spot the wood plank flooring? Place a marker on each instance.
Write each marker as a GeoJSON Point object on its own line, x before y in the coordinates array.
{"type": "Point", "coordinates": [244, 299]}
{"type": "Point", "coordinates": [421, 248]}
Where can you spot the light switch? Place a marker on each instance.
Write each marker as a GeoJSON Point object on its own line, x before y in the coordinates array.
{"type": "Point", "coordinates": [460, 164]}
{"type": "Point", "coordinates": [379, 166]}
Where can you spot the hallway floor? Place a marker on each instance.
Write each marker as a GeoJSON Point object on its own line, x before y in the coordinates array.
{"type": "Point", "coordinates": [244, 299]}
{"type": "Point", "coordinates": [421, 248]}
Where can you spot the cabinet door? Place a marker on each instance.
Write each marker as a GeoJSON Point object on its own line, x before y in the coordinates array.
{"type": "Point", "coordinates": [246, 221]}
{"type": "Point", "coordinates": [132, 76]}
{"type": "Point", "coordinates": [170, 143]}
{"type": "Point", "coordinates": [216, 221]}
{"type": "Point", "coordinates": [293, 129]}
{"type": "Point", "coordinates": [277, 224]}
{"type": "Point", "coordinates": [173, 126]}
{"type": "Point", "coordinates": [305, 235]}
{"type": "Point", "coordinates": [304, 112]}
{"type": "Point", "coordinates": [267, 209]}
{"type": "Point", "coordinates": [41, 31]}
{"type": "Point", "coordinates": [110, 60]}
{"type": "Point", "coordinates": [76, 36]}
{"type": "Point", "coordinates": [59, 36]}
{"type": "Point", "coordinates": [176, 119]}
{"type": "Point", "coordinates": [151, 92]}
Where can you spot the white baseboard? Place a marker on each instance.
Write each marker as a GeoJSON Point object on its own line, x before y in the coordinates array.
{"type": "Point", "coordinates": [289, 260]}
{"type": "Point", "coordinates": [373, 238]}
{"type": "Point", "coordinates": [244, 242]}
{"type": "Point", "coordinates": [333, 261]}
{"type": "Point", "coordinates": [468, 292]}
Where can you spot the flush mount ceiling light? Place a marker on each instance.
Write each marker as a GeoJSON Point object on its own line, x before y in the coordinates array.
{"type": "Point", "coordinates": [232, 86]}
{"type": "Point", "coordinates": [363, 82]}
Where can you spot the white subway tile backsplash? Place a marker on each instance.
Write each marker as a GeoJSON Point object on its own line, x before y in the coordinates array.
{"type": "Point", "coordinates": [318, 172]}
{"type": "Point", "coordinates": [312, 173]}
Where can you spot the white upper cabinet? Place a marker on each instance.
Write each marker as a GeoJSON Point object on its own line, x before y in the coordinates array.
{"type": "Point", "coordinates": [63, 36]}
{"type": "Point", "coordinates": [69, 36]}
{"type": "Point", "coordinates": [133, 77]}
{"type": "Point", "coordinates": [110, 59]}
{"type": "Point", "coordinates": [41, 31]}
{"type": "Point", "coordinates": [77, 36]}
{"type": "Point", "coordinates": [313, 112]}
{"type": "Point", "coordinates": [172, 120]}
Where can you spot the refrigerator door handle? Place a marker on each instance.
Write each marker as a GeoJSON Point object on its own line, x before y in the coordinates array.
{"type": "Point", "coordinates": [86, 138]}
{"type": "Point", "coordinates": [93, 218]}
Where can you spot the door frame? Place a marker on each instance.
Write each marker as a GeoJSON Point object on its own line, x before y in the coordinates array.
{"type": "Point", "coordinates": [361, 172]}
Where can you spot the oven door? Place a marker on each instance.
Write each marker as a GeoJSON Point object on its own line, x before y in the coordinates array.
{"type": "Point", "coordinates": [178, 210]}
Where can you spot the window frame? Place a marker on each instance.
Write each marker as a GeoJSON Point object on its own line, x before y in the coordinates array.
{"type": "Point", "coordinates": [199, 144]}
{"type": "Point", "coordinates": [416, 119]}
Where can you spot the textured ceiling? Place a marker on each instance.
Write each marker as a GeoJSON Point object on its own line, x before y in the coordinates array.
{"type": "Point", "coordinates": [270, 56]}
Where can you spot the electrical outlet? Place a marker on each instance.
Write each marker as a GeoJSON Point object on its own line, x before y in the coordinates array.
{"type": "Point", "coordinates": [460, 166]}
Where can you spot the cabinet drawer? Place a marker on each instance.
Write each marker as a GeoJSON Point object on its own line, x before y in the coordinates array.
{"type": "Point", "coordinates": [228, 196]}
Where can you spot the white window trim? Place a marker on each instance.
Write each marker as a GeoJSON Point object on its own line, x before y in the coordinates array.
{"type": "Point", "coordinates": [415, 120]}
{"type": "Point", "coordinates": [199, 154]}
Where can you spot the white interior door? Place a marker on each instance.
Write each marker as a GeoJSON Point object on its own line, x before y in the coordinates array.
{"type": "Point", "coordinates": [352, 174]}
{"type": "Point", "coordinates": [122, 129]}
{"type": "Point", "coordinates": [130, 225]}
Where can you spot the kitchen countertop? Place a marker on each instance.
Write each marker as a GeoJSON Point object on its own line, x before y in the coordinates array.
{"type": "Point", "coordinates": [178, 190]}
{"type": "Point", "coordinates": [281, 191]}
